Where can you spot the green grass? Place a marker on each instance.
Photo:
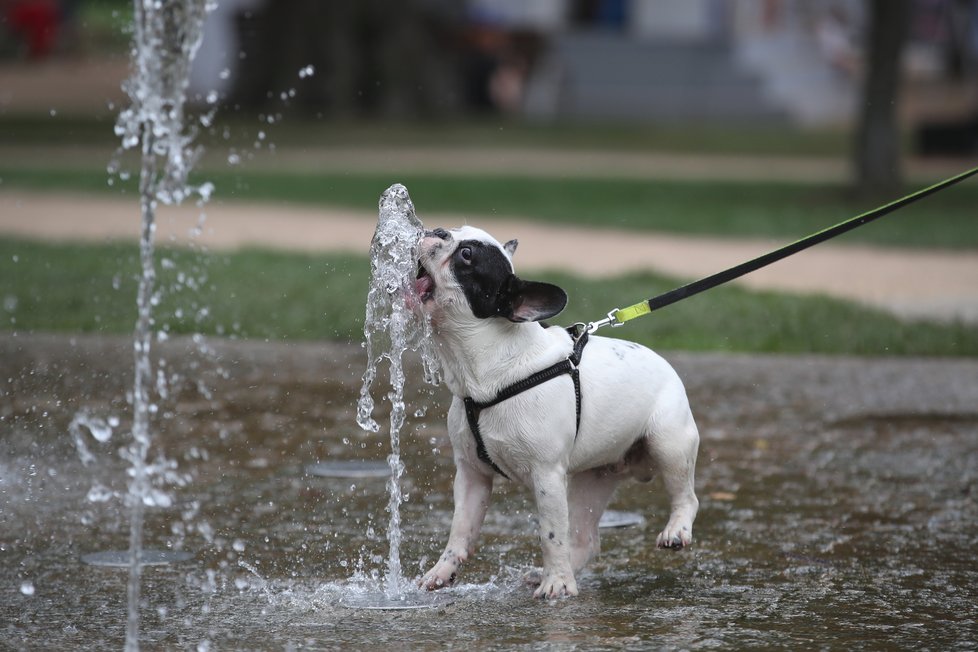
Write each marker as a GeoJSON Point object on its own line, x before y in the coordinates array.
{"type": "Point", "coordinates": [292, 130]}
{"type": "Point", "coordinates": [255, 294]}
{"type": "Point", "coordinates": [262, 294]}
{"type": "Point", "coordinates": [105, 25]}
{"type": "Point", "coordinates": [781, 211]}
{"type": "Point", "coordinates": [295, 131]}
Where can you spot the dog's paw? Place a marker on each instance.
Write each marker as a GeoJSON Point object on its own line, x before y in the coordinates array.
{"type": "Point", "coordinates": [441, 574]}
{"type": "Point", "coordinates": [675, 537]}
{"type": "Point", "coordinates": [556, 585]}
{"type": "Point", "coordinates": [438, 578]}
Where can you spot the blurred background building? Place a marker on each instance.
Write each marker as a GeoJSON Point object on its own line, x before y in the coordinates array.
{"type": "Point", "coordinates": [645, 60]}
{"type": "Point", "coordinates": [796, 62]}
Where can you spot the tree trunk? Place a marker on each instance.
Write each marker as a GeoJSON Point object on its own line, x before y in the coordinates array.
{"type": "Point", "coordinates": [877, 147]}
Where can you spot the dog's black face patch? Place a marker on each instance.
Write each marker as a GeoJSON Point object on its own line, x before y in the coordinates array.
{"type": "Point", "coordinates": [484, 273]}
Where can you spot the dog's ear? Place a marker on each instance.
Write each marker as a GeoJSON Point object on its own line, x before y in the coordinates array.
{"type": "Point", "coordinates": [510, 247]}
{"type": "Point", "coordinates": [533, 301]}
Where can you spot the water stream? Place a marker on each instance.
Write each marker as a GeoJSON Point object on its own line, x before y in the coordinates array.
{"type": "Point", "coordinates": [390, 329]}
{"type": "Point", "coordinates": [166, 37]}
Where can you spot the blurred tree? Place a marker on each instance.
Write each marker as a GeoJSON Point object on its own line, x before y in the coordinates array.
{"type": "Point", "coordinates": [877, 143]}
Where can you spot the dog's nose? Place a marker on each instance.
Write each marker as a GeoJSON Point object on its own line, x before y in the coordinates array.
{"type": "Point", "coordinates": [439, 233]}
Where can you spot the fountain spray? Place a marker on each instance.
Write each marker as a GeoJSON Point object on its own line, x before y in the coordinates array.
{"type": "Point", "coordinates": [391, 328]}
{"type": "Point", "coordinates": [166, 37]}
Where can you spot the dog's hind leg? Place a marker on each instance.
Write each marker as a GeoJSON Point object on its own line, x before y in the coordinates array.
{"type": "Point", "coordinates": [588, 495]}
{"type": "Point", "coordinates": [673, 445]}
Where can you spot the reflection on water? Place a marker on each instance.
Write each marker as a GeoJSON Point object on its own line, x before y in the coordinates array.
{"type": "Point", "coordinates": [839, 508]}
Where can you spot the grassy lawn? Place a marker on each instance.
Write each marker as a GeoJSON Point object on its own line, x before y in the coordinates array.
{"type": "Point", "coordinates": [295, 130]}
{"type": "Point", "coordinates": [782, 211]}
{"type": "Point", "coordinates": [261, 294]}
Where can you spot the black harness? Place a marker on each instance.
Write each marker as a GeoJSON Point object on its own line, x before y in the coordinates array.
{"type": "Point", "coordinates": [568, 366]}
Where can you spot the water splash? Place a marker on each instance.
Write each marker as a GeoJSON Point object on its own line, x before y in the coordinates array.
{"type": "Point", "coordinates": [166, 38]}
{"type": "Point", "coordinates": [391, 328]}
{"type": "Point", "coordinates": [97, 428]}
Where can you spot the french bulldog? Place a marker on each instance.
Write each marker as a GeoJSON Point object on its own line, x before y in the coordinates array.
{"type": "Point", "coordinates": [634, 416]}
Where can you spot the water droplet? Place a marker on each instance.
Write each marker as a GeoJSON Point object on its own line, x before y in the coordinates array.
{"type": "Point", "coordinates": [99, 494]}
{"type": "Point", "coordinates": [54, 112]}
{"type": "Point", "coordinates": [224, 74]}
{"type": "Point", "coordinates": [233, 159]}
{"type": "Point", "coordinates": [205, 190]}
{"type": "Point", "coordinates": [27, 588]}
{"type": "Point", "coordinates": [212, 97]}
{"type": "Point", "coordinates": [96, 427]}
{"type": "Point", "coordinates": [307, 71]}
{"type": "Point", "coordinates": [157, 498]}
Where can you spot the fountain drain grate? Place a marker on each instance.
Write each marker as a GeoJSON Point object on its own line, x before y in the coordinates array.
{"type": "Point", "coordinates": [615, 519]}
{"type": "Point", "coordinates": [120, 558]}
{"type": "Point", "coordinates": [405, 602]}
{"type": "Point", "coordinates": [349, 469]}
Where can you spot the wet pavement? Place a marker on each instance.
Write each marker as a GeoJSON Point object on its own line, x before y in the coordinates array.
{"type": "Point", "coordinates": [839, 508]}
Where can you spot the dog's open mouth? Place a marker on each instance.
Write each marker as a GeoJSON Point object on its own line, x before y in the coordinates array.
{"type": "Point", "coordinates": [424, 285]}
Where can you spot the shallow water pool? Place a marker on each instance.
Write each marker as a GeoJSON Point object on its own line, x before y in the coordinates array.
{"type": "Point", "coordinates": [838, 508]}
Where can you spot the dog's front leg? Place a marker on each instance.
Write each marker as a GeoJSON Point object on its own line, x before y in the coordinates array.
{"type": "Point", "coordinates": [472, 491]}
{"type": "Point", "coordinates": [550, 491]}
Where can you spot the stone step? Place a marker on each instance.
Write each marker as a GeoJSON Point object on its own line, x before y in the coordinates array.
{"type": "Point", "coordinates": [606, 75]}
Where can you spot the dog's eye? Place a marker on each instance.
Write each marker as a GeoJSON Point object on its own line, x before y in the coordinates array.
{"type": "Point", "coordinates": [465, 253]}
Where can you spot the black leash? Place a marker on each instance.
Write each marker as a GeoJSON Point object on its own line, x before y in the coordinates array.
{"type": "Point", "coordinates": [619, 316]}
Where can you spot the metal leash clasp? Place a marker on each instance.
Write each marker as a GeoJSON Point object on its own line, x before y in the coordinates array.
{"type": "Point", "coordinates": [611, 320]}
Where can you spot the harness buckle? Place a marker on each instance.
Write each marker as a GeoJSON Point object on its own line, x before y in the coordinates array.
{"type": "Point", "coordinates": [577, 329]}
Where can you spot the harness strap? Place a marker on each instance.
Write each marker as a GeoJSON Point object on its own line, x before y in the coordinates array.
{"type": "Point", "coordinates": [569, 366]}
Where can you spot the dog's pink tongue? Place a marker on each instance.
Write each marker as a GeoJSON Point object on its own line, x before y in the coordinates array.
{"type": "Point", "coordinates": [423, 285]}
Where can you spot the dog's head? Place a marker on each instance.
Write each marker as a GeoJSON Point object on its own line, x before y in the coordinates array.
{"type": "Point", "coordinates": [465, 273]}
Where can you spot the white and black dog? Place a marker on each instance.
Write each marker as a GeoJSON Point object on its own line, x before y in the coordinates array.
{"type": "Point", "coordinates": [570, 437]}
